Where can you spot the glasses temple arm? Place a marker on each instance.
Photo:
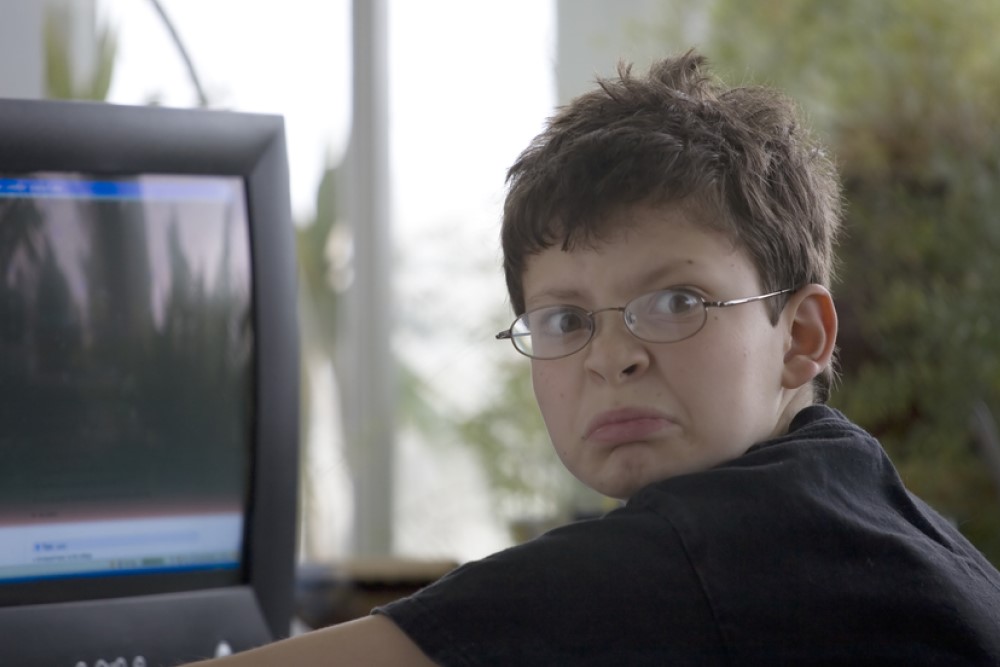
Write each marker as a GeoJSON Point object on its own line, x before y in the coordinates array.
{"type": "Point", "coordinates": [748, 299]}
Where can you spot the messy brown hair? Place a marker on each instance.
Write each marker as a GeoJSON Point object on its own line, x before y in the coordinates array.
{"type": "Point", "coordinates": [678, 137]}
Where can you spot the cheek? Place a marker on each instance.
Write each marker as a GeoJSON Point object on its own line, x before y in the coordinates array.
{"type": "Point", "coordinates": [736, 368]}
{"type": "Point", "coordinates": [710, 371]}
{"type": "Point", "coordinates": [551, 394]}
{"type": "Point", "coordinates": [542, 384]}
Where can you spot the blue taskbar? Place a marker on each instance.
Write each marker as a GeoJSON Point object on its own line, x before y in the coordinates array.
{"type": "Point", "coordinates": [134, 188]}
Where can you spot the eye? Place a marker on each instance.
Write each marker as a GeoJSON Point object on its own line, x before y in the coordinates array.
{"type": "Point", "coordinates": [558, 321]}
{"type": "Point", "coordinates": [673, 302]}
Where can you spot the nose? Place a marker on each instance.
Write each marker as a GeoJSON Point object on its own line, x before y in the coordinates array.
{"type": "Point", "coordinates": [614, 353]}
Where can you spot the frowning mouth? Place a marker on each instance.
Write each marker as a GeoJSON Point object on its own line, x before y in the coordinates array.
{"type": "Point", "coordinates": [625, 425]}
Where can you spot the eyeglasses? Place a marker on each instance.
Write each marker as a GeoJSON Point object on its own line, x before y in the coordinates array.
{"type": "Point", "coordinates": [664, 316]}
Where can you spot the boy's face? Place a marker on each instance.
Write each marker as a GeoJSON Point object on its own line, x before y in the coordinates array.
{"type": "Point", "coordinates": [623, 413]}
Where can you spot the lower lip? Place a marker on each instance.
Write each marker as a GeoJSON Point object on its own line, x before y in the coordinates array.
{"type": "Point", "coordinates": [630, 430]}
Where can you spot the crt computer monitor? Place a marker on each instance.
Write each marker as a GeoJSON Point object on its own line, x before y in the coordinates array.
{"type": "Point", "coordinates": [148, 384]}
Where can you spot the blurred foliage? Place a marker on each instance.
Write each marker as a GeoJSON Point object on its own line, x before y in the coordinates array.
{"type": "Point", "coordinates": [906, 93]}
{"type": "Point", "coordinates": [324, 253]}
{"type": "Point", "coordinates": [527, 480]}
{"type": "Point", "coordinates": [319, 268]}
{"type": "Point", "coordinates": [61, 69]}
{"type": "Point", "coordinates": [317, 306]}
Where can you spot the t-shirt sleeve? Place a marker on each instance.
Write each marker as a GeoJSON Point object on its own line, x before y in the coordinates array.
{"type": "Point", "coordinates": [616, 590]}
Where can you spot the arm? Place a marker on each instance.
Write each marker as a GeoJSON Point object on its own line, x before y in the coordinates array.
{"type": "Point", "coordinates": [374, 641]}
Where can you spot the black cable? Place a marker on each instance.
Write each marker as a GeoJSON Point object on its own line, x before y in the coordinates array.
{"type": "Point", "coordinates": [202, 98]}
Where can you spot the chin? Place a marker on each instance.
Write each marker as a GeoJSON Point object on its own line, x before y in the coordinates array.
{"type": "Point", "coordinates": [621, 489]}
{"type": "Point", "coordinates": [624, 485]}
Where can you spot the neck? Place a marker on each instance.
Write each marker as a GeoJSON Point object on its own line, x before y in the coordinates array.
{"type": "Point", "coordinates": [802, 399]}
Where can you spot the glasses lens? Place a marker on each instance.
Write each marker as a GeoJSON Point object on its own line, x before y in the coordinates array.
{"type": "Point", "coordinates": [549, 333]}
{"type": "Point", "coordinates": [666, 316]}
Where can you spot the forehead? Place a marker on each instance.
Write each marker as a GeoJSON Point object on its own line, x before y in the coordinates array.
{"type": "Point", "coordinates": [649, 248]}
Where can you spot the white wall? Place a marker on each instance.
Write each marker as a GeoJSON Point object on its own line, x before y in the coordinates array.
{"type": "Point", "coordinates": [595, 34]}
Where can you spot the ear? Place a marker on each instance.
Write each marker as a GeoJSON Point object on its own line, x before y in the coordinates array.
{"type": "Point", "coordinates": [812, 335]}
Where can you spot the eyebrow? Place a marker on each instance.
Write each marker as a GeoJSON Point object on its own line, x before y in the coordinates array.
{"type": "Point", "coordinates": [654, 277]}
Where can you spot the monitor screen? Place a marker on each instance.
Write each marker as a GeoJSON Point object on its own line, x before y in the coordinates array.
{"type": "Point", "coordinates": [149, 376]}
{"type": "Point", "coordinates": [125, 376]}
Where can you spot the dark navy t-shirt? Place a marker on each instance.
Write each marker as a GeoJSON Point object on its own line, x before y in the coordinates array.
{"type": "Point", "coordinates": [806, 550]}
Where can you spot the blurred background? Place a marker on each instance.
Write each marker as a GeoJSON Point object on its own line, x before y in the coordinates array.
{"type": "Point", "coordinates": [420, 436]}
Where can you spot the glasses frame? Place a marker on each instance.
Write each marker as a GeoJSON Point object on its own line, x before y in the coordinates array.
{"type": "Point", "coordinates": [508, 333]}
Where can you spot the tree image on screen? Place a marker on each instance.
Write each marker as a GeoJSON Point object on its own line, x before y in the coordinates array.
{"type": "Point", "coordinates": [125, 356]}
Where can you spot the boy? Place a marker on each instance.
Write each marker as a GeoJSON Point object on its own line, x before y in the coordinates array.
{"type": "Point", "coordinates": [668, 249]}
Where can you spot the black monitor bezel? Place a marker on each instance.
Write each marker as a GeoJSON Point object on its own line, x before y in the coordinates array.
{"type": "Point", "coordinates": [98, 139]}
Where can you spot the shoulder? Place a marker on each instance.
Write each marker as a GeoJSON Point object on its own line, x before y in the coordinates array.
{"type": "Point", "coordinates": [619, 587]}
